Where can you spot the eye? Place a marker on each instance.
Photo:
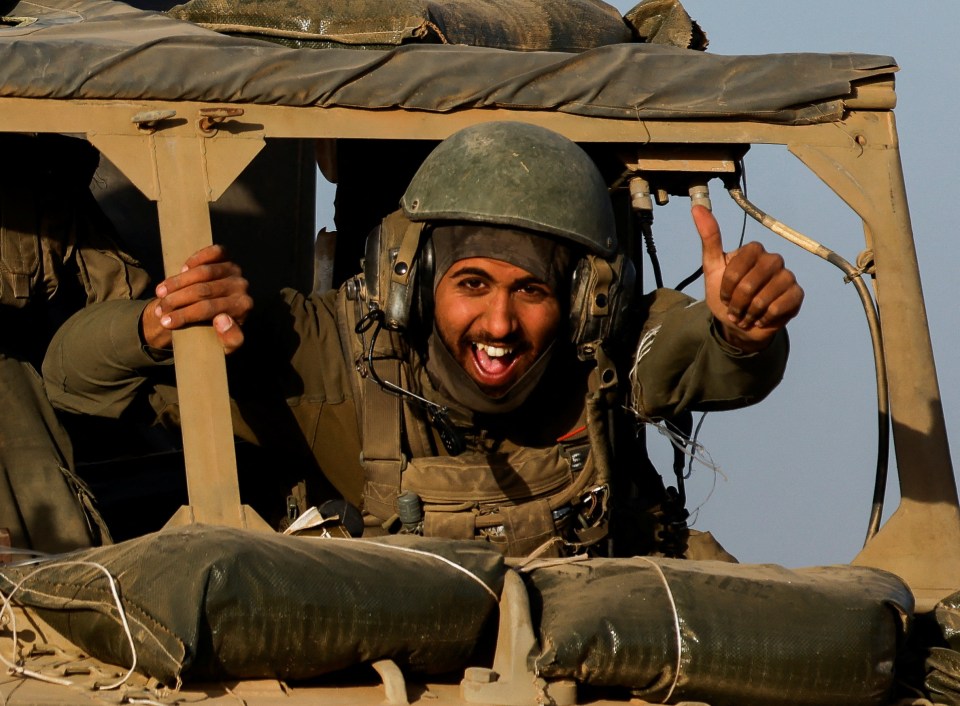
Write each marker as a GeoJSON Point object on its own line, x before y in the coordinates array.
{"type": "Point", "coordinates": [471, 283]}
{"type": "Point", "coordinates": [534, 290]}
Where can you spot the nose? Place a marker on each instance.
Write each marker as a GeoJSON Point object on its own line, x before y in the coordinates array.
{"type": "Point", "coordinates": [499, 319]}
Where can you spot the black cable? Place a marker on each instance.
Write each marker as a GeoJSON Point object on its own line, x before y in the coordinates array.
{"type": "Point", "coordinates": [852, 274]}
{"type": "Point", "coordinates": [646, 230]}
{"type": "Point", "coordinates": [438, 415]}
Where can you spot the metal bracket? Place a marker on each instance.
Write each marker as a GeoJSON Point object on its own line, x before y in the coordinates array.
{"type": "Point", "coordinates": [210, 118]}
{"type": "Point", "coordinates": [394, 685]}
{"type": "Point", "coordinates": [511, 682]}
{"type": "Point", "coordinates": [147, 121]}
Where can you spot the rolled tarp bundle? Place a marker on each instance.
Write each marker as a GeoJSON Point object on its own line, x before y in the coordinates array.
{"type": "Point", "coordinates": [524, 25]}
{"type": "Point", "coordinates": [725, 634]}
{"type": "Point", "coordinates": [205, 602]}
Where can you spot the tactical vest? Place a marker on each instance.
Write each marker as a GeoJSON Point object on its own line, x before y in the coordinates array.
{"type": "Point", "coordinates": [526, 500]}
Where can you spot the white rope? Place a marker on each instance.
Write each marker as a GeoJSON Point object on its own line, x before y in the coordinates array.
{"type": "Point", "coordinates": [676, 625]}
{"type": "Point", "coordinates": [55, 9]}
{"type": "Point", "coordinates": [7, 611]}
{"type": "Point", "coordinates": [426, 554]}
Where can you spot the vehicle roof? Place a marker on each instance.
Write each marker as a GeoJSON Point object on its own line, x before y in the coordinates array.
{"type": "Point", "coordinates": [104, 49]}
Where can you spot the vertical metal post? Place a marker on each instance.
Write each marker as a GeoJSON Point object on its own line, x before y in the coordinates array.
{"type": "Point", "coordinates": [183, 173]}
{"type": "Point", "coordinates": [209, 454]}
{"type": "Point", "coordinates": [921, 541]}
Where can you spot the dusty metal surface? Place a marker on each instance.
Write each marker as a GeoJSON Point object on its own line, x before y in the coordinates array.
{"type": "Point", "coordinates": [183, 154]}
{"type": "Point", "coordinates": [858, 157]}
{"type": "Point", "coordinates": [94, 49]}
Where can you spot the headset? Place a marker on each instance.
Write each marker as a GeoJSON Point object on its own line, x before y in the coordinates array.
{"type": "Point", "coordinates": [398, 273]}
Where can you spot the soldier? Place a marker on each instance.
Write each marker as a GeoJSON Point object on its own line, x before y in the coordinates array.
{"type": "Point", "coordinates": [488, 373]}
{"type": "Point", "coordinates": [58, 254]}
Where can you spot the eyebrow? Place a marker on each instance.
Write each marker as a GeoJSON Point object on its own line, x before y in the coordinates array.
{"type": "Point", "coordinates": [468, 271]}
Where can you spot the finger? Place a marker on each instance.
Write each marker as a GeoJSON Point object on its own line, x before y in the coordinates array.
{"type": "Point", "coordinates": [780, 304]}
{"type": "Point", "coordinates": [748, 271]}
{"type": "Point", "coordinates": [204, 311]}
{"type": "Point", "coordinates": [187, 292]}
{"type": "Point", "coordinates": [772, 304]}
{"type": "Point", "coordinates": [710, 238]}
{"type": "Point", "coordinates": [204, 256]}
{"type": "Point", "coordinates": [229, 333]}
{"type": "Point", "coordinates": [198, 274]}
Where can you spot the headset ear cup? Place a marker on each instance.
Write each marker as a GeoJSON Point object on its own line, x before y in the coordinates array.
{"type": "Point", "coordinates": [376, 267]}
{"type": "Point", "coordinates": [424, 285]}
{"type": "Point", "coordinates": [580, 287]}
{"type": "Point", "coordinates": [601, 294]}
{"type": "Point", "coordinates": [399, 274]}
{"type": "Point", "coordinates": [621, 300]}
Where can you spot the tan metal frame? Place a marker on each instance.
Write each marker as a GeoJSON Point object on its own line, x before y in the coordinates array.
{"type": "Point", "coordinates": [184, 155]}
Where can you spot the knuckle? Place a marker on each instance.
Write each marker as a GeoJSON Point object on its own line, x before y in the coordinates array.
{"type": "Point", "coordinates": [205, 311]}
{"type": "Point", "coordinates": [244, 305]}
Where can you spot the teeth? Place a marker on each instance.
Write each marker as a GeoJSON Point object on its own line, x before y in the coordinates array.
{"type": "Point", "coordinates": [493, 351]}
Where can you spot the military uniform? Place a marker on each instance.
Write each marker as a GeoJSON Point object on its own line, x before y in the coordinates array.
{"type": "Point", "coordinates": [57, 254]}
{"type": "Point", "coordinates": [295, 384]}
{"type": "Point", "coordinates": [361, 384]}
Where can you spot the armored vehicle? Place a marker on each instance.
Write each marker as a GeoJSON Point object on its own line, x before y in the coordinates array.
{"type": "Point", "coordinates": [217, 131]}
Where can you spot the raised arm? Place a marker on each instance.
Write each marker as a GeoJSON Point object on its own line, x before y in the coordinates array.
{"type": "Point", "coordinates": [100, 358]}
{"type": "Point", "coordinates": [209, 289]}
{"type": "Point", "coordinates": [727, 351]}
{"type": "Point", "coordinates": [750, 291]}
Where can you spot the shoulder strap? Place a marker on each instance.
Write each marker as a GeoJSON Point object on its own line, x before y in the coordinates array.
{"type": "Point", "coordinates": [19, 246]}
{"type": "Point", "coordinates": [380, 417]}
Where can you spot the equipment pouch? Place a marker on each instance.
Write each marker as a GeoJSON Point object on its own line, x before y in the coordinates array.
{"type": "Point", "coordinates": [489, 479]}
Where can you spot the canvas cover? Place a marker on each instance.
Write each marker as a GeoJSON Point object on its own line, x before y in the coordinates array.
{"type": "Point", "coordinates": [207, 602]}
{"type": "Point", "coordinates": [104, 49]}
{"type": "Point", "coordinates": [526, 25]}
{"type": "Point", "coordinates": [727, 634]}
{"type": "Point", "coordinates": [941, 661]}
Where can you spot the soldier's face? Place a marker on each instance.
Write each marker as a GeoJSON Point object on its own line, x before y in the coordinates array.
{"type": "Point", "coordinates": [496, 319]}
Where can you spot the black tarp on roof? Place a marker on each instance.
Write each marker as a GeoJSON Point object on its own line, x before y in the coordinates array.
{"type": "Point", "coordinates": [104, 49]}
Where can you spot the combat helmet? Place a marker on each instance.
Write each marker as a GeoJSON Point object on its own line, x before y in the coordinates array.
{"type": "Point", "coordinates": [515, 174]}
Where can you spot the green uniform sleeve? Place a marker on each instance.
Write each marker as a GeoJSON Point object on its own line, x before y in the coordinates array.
{"type": "Point", "coordinates": [96, 363]}
{"type": "Point", "coordinates": [682, 363]}
{"type": "Point", "coordinates": [289, 383]}
{"type": "Point", "coordinates": [105, 269]}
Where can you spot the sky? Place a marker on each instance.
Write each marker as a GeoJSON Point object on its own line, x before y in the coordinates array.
{"type": "Point", "coordinates": [797, 469]}
{"type": "Point", "coordinates": [794, 478]}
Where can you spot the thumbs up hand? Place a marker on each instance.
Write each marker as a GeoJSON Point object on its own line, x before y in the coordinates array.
{"type": "Point", "coordinates": [750, 291]}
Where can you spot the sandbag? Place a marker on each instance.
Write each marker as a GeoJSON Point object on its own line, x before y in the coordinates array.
{"type": "Point", "coordinates": [44, 505]}
{"type": "Point", "coordinates": [744, 634]}
{"type": "Point", "coordinates": [665, 22]}
{"type": "Point", "coordinates": [941, 682]}
{"type": "Point", "coordinates": [531, 25]}
{"type": "Point", "coordinates": [209, 602]}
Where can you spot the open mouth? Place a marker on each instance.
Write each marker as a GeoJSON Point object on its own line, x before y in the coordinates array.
{"type": "Point", "coordinates": [494, 363]}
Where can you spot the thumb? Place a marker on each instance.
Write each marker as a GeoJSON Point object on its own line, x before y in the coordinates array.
{"type": "Point", "coordinates": [709, 230]}
{"type": "Point", "coordinates": [230, 335]}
